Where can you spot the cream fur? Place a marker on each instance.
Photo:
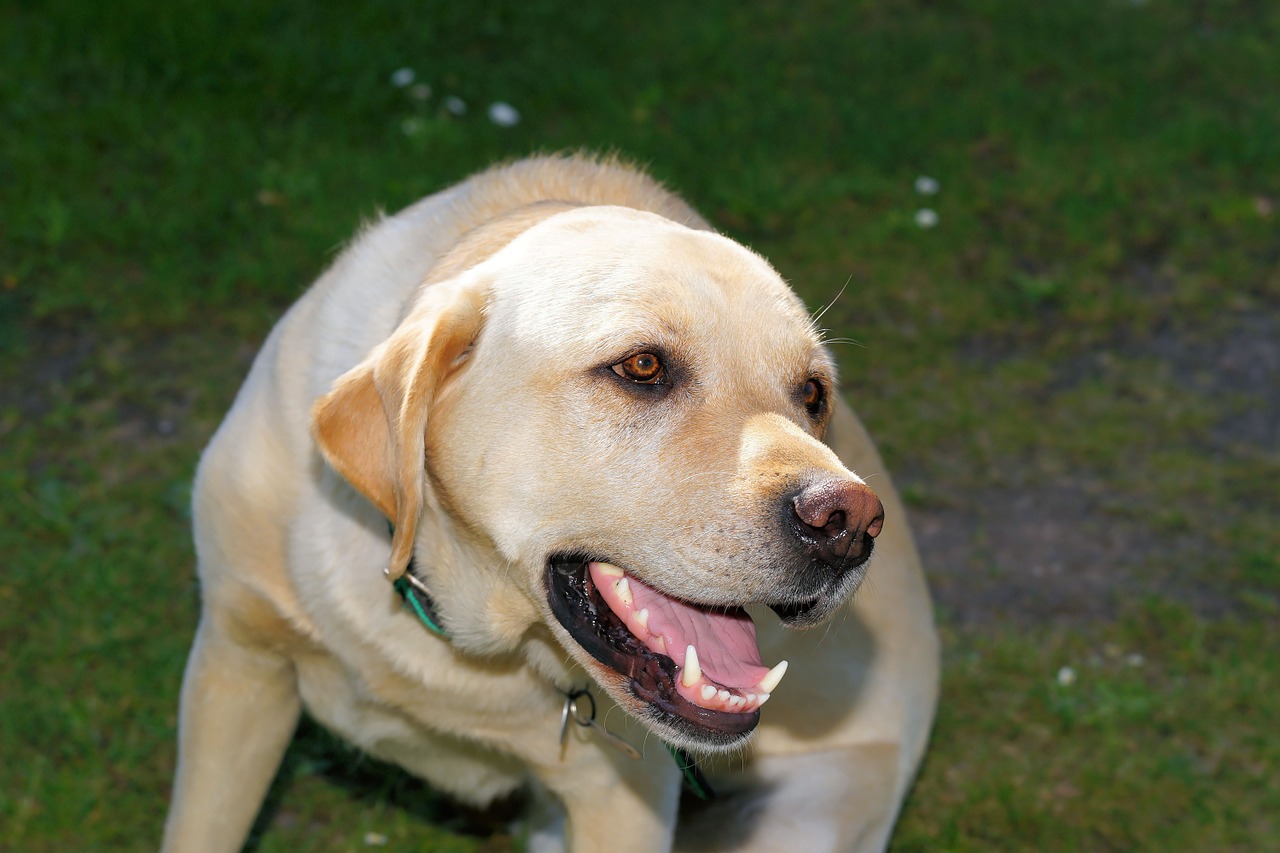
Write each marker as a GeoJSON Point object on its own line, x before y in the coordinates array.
{"type": "Point", "coordinates": [461, 336]}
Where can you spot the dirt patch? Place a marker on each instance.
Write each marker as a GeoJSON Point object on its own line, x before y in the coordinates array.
{"type": "Point", "coordinates": [1241, 372]}
{"type": "Point", "coordinates": [143, 389]}
{"type": "Point", "coordinates": [1049, 553]}
{"type": "Point", "coordinates": [1058, 551]}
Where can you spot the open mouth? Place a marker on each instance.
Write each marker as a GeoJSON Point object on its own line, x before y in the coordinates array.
{"type": "Point", "coordinates": [697, 668]}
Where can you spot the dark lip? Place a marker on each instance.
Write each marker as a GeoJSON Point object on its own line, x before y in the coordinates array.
{"type": "Point", "coordinates": [651, 676]}
{"type": "Point", "coordinates": [797, 615]}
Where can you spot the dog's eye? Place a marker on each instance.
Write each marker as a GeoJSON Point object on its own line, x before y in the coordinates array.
{"type": "Point", "coordinates": [643, 367]}
{"type": "Point", "coordinates": [813, 395]}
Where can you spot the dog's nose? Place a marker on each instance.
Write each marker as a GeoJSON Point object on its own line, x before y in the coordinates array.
{"type": "Point", "coordinates": [838, 519]}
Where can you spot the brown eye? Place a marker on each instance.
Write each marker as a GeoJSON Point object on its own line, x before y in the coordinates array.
{"type": "Point", "coordinates": [813, 395]}
{"type": "Point", "coordinates": [643, 367]}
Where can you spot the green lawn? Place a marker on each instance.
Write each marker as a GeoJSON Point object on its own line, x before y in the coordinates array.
{"type": "Point", "coordinates": [1096, 310]}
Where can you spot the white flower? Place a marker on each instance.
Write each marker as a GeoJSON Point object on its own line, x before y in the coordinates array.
{"type": "Point", "coordinates": [455, 105]}
{"type": "Point", "coordinates": [402, 77]}
{"type": "Point", "coordinates": [503, 114]}
{"type": "Point", "coordinates": [1066, 676]}
{"type": "Point", "coordinates": [1135, 659]}
{"type": "Point", "coordinates": [412, 126]}
{"type": "Point", "coordinates": [926, 185]}
{"type": "Point", "coordinates": [375, 839]}
{"type": "Point", "coordinates": [420, 92]}
{"type": "Point", "coordinates": [926, 217]}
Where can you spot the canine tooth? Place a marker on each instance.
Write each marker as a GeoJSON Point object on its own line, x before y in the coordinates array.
{"type": "Point", "coordinates": [708, 690]}
{"type": "Point", "coordinates": [692, 673]}
{"type": "Point", "coordinates": [610, 570]}
{"type": "Point", "coordinates": [642, 618]}
{"type": "Point", "coordinates": [623, 589]}
{"type": "Point", "coordinates": [762, 698]}
{"type": "Point", "coordinates": [769, 683]}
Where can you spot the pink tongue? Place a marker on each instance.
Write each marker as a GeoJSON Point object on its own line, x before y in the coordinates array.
{"type": "Point", "coordinates": [726, 642]}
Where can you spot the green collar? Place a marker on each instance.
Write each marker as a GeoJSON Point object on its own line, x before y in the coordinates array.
{"type": "Point", "coordinates": [417, 599]}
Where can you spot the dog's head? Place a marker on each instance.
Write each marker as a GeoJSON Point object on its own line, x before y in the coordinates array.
{"type": "Point", "coordinates": [628, 415]}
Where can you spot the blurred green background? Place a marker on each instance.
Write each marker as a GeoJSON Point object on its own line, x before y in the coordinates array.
{"type": "Point", "coordinates": [1056, 228]}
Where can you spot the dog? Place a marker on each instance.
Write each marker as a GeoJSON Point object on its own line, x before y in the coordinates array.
{"type": "Point", "coordinates": [537, 487]}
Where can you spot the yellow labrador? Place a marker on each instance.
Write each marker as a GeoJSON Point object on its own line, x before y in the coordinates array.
{"type": "Point", "coordinates": [600, 447]}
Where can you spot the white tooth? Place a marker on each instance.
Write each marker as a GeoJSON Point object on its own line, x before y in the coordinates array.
{"type": "Point", "coordinates": [610, 570]}
{"type": "Point", "coordinates": [736, 702]}
{"type": "Point", "coordinates": [751, 697]}
{"type": "Point", "coordinates": [642, 618]}
{"type": "Point", "coordinates": [623, 589]}
{"type": "Point", "coordinates": [661, 643]}
{"type": "Point", "coordinates": [763, 697]}
{"type": "Point", "coordinates": [708, 690]}
{"type": "Point", "coordinates": [692, 673]}
{"type": "Point", "coordinates": [771, 678]}
{"type": "Point", "coordinates": [723, 695]}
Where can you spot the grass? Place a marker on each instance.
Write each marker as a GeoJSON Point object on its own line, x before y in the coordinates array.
{"type": "Point", "coordinates": [1145, 735]}
{"type": "Point", "coordinates": [174, 176]}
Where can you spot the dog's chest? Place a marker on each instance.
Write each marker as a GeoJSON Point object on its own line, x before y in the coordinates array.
{"type": "Point", "coordinates": [497, 720]}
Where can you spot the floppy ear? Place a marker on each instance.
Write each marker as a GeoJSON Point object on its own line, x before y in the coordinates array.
{"type": "Point", "coordinates": [371, 428]}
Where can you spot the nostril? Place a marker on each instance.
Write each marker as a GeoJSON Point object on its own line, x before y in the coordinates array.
{"type": "Point", "coordinates": [877, 523]}
{"type": "Point", "coordinates": [819, 510]}
{"type": "Point", "coordinates": [836, 524]}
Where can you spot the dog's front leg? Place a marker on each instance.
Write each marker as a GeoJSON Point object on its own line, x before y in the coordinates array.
{"type": "Point", "coordinates": [828, 801]}
{"type": "Point", "coordinates": [614, 803]}
{"type": "Point", "coordinates": [239, 709]}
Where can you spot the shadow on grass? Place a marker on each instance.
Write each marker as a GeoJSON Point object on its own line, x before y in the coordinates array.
{"type": "Point", "coordinates": [317, 752]}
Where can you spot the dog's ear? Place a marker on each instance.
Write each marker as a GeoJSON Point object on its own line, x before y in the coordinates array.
{"type": "Point", "coordinates": [371, 428]}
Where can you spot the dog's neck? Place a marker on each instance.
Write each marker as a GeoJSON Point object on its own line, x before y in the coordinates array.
{"type": "Point", "coordinates": [417, 597]}
{"type": "Point", "coordinates": [455, 574]}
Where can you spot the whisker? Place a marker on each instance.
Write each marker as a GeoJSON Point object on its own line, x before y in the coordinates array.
{"type": "Point", "coordinates": [814, 320]}
{"type": "Point", "coordinates": [849, 341]}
